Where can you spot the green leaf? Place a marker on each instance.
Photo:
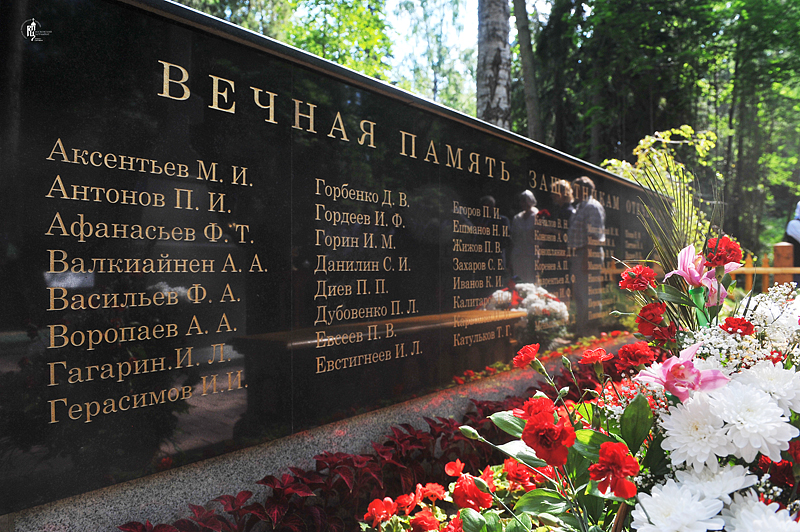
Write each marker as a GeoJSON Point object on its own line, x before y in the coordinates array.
{"type": "Point", "coordinates": [509, 424]}
{"type": "Point", "coordinates": [656, 459]}
{"type": "Point", "coordinates": [586, 410]}
{"type": "Point", "coordinates": [587, 443]}
{"type": "Point", "coordinates": [517, 449]}
{"type": "Point", "coordinates": [571, 521]}
{"type": "Point", "coordinates": [672, 294]}
{"type": "Point", "coordinates": [592, 505]}
{"type": "Point", "coordinates": [636, 422]}
{"type": "Point", "coordinates": [726, 280]}
{"type": "Point", "coordinates": [514, 526]}
{"type": "Point", "coordinates": [493, 523]}
{"type": "Point", "coordinates": [541, 501]}
{"type": "Point", "coordinates": [472, 521]}
{"type": "Point", "coordinates": [577, 467]}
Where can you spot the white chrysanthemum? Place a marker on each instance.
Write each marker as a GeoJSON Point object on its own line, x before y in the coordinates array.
{"type": "Point", "coordinates": [753, 421]}
{"type": "Point", "coordinates": [695, 434]}
{"type": "Point", "coordinates": [672, 509]}
{"type": "Point", "coordinates": [716, 485]}
{"type": "Point", "coordinates": [748, 514]}
{"type": "Point", "coordinates": [783, 385]}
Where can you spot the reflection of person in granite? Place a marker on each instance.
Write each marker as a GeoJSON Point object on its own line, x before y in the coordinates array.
{"type": "Point", "coordinates": [523, 263]}
{"type": "Point", "coordinates": [563, 209]}
{"type": "Point", "coordinates": [586, 236]}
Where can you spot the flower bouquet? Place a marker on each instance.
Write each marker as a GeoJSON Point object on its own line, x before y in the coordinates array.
{"type": "Point", "coordinates": [546, 318]}
{"type": "Point", "coordinates": [692, 428]}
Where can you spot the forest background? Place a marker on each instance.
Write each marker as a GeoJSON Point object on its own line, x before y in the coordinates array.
{"type": "Point", "coordinates": [590, 78]}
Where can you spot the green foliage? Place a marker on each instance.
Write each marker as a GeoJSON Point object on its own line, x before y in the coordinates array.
{"type": "Point", "coordinates": [635, 423]}
{"type": "Point", "coordinates": [440, 67]}
{"type": "Point", "coordinates": [508, 423]}
{"type": "Point", "coordinates": [268, 17]}
{"type": "Point", "coordinates": [522, 453]}
{"type": "Point", "coordinates": [353, 33]}
{"type": "Point", "coordinates": [588, 442]}
{"type": "Point", "coordinates": [750, 99]}
{"type": "Point", "coordinates": [349, 32]}
{"type": "Point", "coordinates": [658, 168]}
{"type": "Point", "coordinates": [613, 72]}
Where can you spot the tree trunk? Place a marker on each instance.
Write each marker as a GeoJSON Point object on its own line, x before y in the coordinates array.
{"type": "Point", "coordinates": [493, 72]}
{"type": "Point", "coordinates": [528, 71]}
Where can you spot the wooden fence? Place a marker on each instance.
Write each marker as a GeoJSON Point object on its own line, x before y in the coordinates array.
{"type": "Point", "coordinates": [781, 270]}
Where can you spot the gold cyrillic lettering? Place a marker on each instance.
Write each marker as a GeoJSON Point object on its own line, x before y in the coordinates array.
{"type": "Point", "coordinates": [166, 80]}
{"type": "Point", "coordinates": [338, 125]}
{"type": "Point", "coordinates": [216, 93]}
{"type": "Point", "coordinates": [271, 105]}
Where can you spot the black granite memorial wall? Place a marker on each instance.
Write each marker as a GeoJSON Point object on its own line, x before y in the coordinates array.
{"type": "Point", "coordinates": [210, 240]}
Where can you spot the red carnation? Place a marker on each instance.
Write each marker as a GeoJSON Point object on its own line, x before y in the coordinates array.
{"type": "Point", "coordinates": [534, 406]}
{"type": "Point", "coordinates": [613, 468]}
{"type": "Point", "coordinates": [662, 335]}
{"type": "Point", "coordinates": [467, 495]}
{"type": "Point", "coordinates": [638, 278]}
{"type": "Point", "coordinates": [526, 355]}
{"type": "Point", "coordinates": [780, 473]}
{"type": "Point", "coordinates": [738, 326]}
{"type": "Point", "coordinates": [721, 251]}
{"type": "Point", "coordinates": [424, 521]}
{"type": "Point", "coordinates": [633, 355]}
{"type": "Point", "coordinates": [518, 475]}
{"type": "Point", "coordinates": [794, 451]}
{"type": "Point", "coordinates": [650, 317]}
{"type": "Point", "coordinates": [550, 441]}
{"type": "Point", "coordinates": [595, 356]}
{"type": "Point", "coordinates": [380, 511]}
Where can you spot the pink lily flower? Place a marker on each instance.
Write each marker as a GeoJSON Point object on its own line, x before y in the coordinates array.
{"type": "Point", "coordinates": [717, 292]}
{"type": "Point", "coordinates": [691, 267]}
{"type": "Point", "coordinates": [679, 376]}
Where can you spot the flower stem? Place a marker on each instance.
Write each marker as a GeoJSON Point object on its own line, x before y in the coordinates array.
{"type": "Point", "coordinates": [697, 293]}
{"type": "Point", "coordinates": [512, 513]}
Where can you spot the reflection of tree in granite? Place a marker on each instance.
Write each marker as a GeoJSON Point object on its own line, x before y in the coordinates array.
{"type": "Point", "coordinates": [547, 315]}
{"type": "Point", "coordinates": [103, 444]}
